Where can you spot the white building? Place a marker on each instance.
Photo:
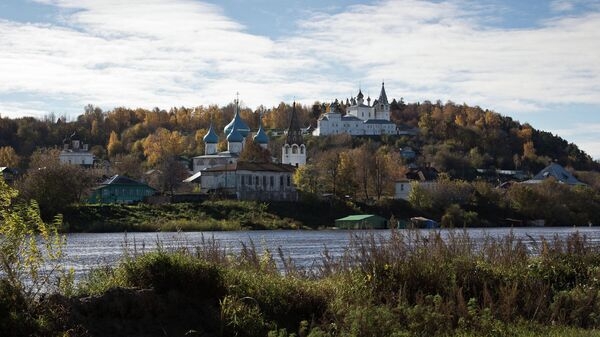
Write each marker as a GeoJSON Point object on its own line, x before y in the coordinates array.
{"type": "Point", "coordinates": [360, 119]}
{"type": "Point", "coordinates": [75, 152]}
{"type": "Point", "coordinates": [223, 173]}
{"type": "Point", "coordinates": [293, 152]}
{"type": "Point", "coordinates": [249, 181]}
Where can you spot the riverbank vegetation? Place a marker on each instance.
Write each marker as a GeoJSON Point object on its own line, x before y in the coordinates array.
{"type": "Point", "coordinates": [412, 283]}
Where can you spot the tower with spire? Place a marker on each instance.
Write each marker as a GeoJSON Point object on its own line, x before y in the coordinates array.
{"type": "Point", "coordinates": [360, 119]}
{"type": "Point", "coordinates": [381, 105]}
{"type": "Point", "coordinates": [293, 152]}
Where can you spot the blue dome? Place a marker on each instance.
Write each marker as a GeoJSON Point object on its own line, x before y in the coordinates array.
{"type": "Point", "coordinates": [238, 123]}
{"type": "Point", "coordinates": [211, 137]}
{"type": "Point", "coordinates": [261, 137]}
{"type": "Point", "coordinates": [235, 136]}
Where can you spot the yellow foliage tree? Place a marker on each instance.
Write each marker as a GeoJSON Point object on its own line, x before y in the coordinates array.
{"type": "Point", "coordinates": [162, 144]}
{"type": "Point", "coordinates": [114, 146]}
{"type": "Point", "coordinates": [9, 157]}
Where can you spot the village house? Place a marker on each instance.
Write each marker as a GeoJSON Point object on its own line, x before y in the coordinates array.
{"type": "Point", "coordinates": [121, 190]}
{"type": "Point", "coordinates": [426, 176]}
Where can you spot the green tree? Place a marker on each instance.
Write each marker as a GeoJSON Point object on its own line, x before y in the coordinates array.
{"type": "Point", "coordinates": [30, 249]}
{"type": "Point", "coordinates": [306, 179]}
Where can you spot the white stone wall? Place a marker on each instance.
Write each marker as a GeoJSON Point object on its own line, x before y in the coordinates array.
{"type": "Point", "coordinates": [294, 154]}
{"type": "Point", "coordinates": [77, 158]}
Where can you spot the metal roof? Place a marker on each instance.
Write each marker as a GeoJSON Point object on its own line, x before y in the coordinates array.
{"type": "Point", "coordinates": [261, 136]}
{"type": "Point", "coordinates": [211, 136]}
{"type": "Point", "coordinates": [358, 217]}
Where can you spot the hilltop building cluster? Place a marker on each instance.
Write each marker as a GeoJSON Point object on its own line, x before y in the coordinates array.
{"type": "Point", "coordinates": [360, 119]}
{"type": "Point", "coordinates": [223, 172]}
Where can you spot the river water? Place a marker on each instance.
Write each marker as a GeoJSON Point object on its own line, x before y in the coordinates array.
{"type": "Point", "coordinates": [305, 248]}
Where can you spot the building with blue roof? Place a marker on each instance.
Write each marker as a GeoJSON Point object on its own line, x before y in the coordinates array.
{"type": "Point", "coordinates": [235, 133]}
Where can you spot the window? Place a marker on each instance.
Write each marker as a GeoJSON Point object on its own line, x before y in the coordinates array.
{"type": "Point", "coordinates": [272, 181]}
{"type": "Point", "coordinates": [256, 180]}
{"type": "Point", "coordinates": [264, 181]}
{"type": "Point", "coordinates": [281, 181]}
{"type": "Point", "coordinates": [288, 180]}
{"type": "Point", "coordinates": [302, 149]}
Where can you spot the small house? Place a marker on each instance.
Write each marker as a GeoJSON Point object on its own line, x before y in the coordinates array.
{"type": "Point", "coordinates": [556, 172]}
{"type": "Point", "coordinates": [365, 221]}
{"type": "Point", "coordinates": [121, 190]}
{"type": "Point", "coordinates": [8, 174]}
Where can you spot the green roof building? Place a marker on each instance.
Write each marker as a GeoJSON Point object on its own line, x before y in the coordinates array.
{"type": "Point", "coordinates": [364, 221]}
{"type": "Point", "coordinates": [120, 190]}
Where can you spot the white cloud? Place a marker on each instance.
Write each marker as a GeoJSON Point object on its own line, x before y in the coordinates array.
{"type": "Point", "coordinates": [562, 5]}
{"type": "Point", "coordinates": [426, 47]}
{"type": "Point", "coordinates": [181, 52]}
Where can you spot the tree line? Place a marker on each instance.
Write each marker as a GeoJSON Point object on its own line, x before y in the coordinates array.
{"type": "Point", "coordinates": [455, 139]}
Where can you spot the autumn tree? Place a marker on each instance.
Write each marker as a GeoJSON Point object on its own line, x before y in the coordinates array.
{"type": "Point", "coordinates": [128, 165]}
{"type": "Point", "coordinates": [163, 144]}
{"type": "Point", "coordinates": [9, 157]}
{"type": "Point", "coordinates": [346, 179]}
{"type": "Point", "coordinates": [114, 146]}
{"type": "Point", "coordinates": [306, 179]}
{"type": "Point", "coordinates": [254, 152]}
{"type": "Point", "coordinates": [55, 185]}
{"type": "Point", "coordinates": [329, 170]}
{"type": "Point", "coordinates": [385, 171]}
{"type": "Point", "coordinates": [362, 157]}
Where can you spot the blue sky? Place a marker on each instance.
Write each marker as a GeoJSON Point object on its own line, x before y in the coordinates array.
{"type": "Point", "coordinates": [536, 61]}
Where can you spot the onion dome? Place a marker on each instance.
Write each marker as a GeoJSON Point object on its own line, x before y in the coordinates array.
{"type": "Point", "coordinates": [211, 136]}
{"type": "Point", "coordinates": [261, 136]}
{"type": "Point", "coordinates": [238, 123]}
{"type": "Point", "coordinates": [360, 94]}
{"type": "Point", "coordinates": [235, 136]}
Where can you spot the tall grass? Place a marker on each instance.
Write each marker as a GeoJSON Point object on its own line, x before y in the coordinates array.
{"type": "Point", "coordinates": [409, 284]}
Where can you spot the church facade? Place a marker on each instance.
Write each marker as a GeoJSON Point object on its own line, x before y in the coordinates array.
{"type": "Point", "coordinates": [223, 172]}
{"type": "Point", "coordinates": [360, 119]}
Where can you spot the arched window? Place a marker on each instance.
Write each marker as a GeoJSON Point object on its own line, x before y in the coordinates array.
{"type": "Point", "coordinates": [302, 149]}
{"type": "Point", "coordinates": [294, 149]}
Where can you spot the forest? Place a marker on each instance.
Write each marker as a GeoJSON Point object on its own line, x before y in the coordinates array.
{"type": "Point", "coordinates": [456, 140]}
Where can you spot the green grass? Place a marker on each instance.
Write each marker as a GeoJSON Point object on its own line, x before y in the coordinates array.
{"type": "Point", "coordinates": [221, 215]}
{"type": "Point", "coordinates": [224, 215]}
{"type": "Point", "coordinates": [409, 285]}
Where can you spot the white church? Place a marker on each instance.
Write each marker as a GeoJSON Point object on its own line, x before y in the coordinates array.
{"type": "Point", "coordinates": [360, 120]}
{"type": "Point", "coordinates": [223, 172]}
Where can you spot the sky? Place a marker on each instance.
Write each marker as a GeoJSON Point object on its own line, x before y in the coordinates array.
{"type": "Point", "coordinates": [537, 61]}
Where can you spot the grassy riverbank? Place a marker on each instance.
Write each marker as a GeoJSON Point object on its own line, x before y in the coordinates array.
{"type": "Point", "coordinates": [217, 215]}
{"type": "Point", "coordinates": [409, 285]}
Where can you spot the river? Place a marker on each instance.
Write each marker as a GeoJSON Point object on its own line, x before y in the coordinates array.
{"type": "Point", "coordinates": [92, 250]}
